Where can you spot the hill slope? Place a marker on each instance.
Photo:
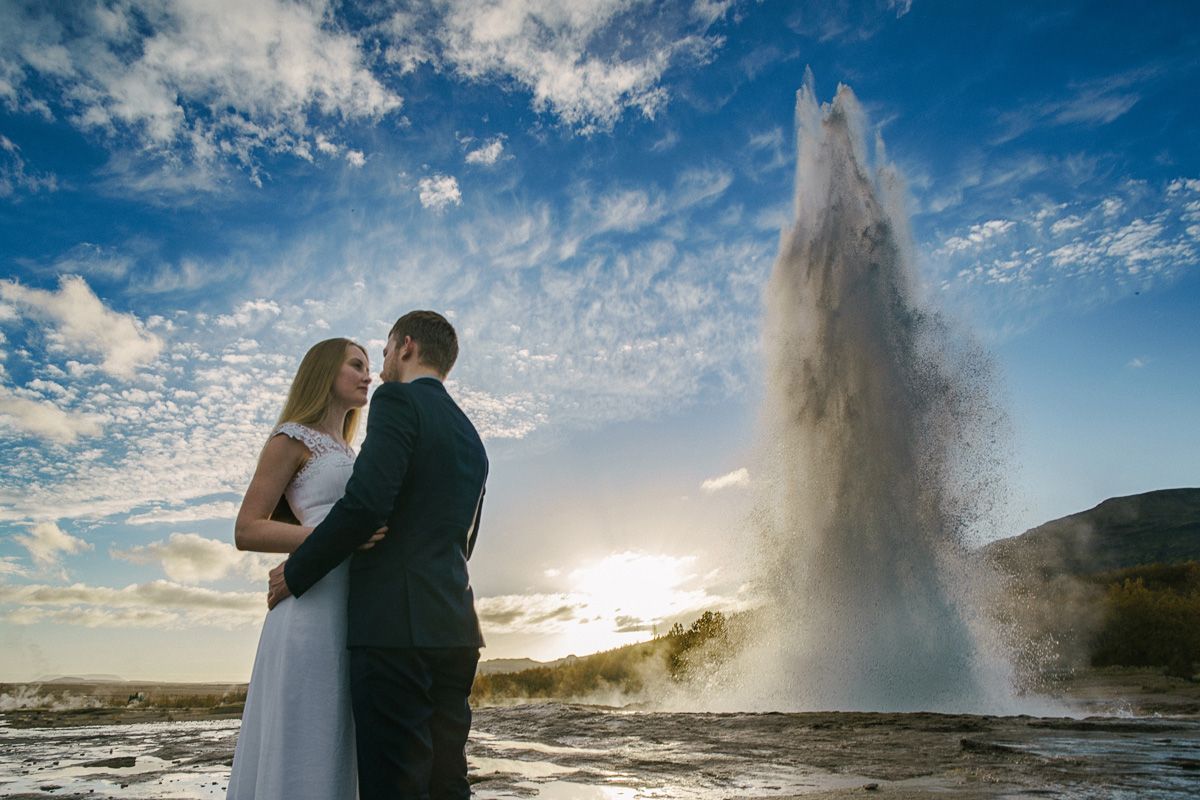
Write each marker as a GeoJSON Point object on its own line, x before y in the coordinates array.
{"type": "Point", "coordinates": [1160, 527]}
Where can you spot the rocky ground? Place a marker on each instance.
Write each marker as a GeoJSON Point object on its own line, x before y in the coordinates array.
{"type": "Point", "coordinates": [1143, 741]}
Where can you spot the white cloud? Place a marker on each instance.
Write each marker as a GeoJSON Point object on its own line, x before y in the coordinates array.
{"type": "Point", "coordinates": [189, 558]}
{"type": "Point", "coordinates": [46, 543]}
{"type": "Point", "coordinates": [221, 510]}
{"type": "Point", "coordinates": [82, 324]}
{"type": "Point", "coordinates": [211, 79]}
{"type": "Point", "coordinates": [587, 63]}
{"type": "Point", "coordinates": [158, 604]}
{"type": "Point", "coordinates": [1136, 363]}
{"type": "Point", "coordinates": [978, 234]}
{"type": "Point", "coordinates": [1075, 253]}
{"type": "Point", "coordinates": [439, 191]}
{"type": "Point", "coordinates": [1111, 206]}
{"type": "Point", "coordinates": [511, 416]}
{"type": "Point", "coordinates": [1134, 241]}
{"type": "Point", "coordinates": [191, 430]}
{"type": "Point", "coordinates": [488, 153]}
{"type": "Point", "coordinates": [737, 478]}
{"type": "Point", "coordinates": [44, 419]}
{"type": "Point", "coordinates": [621, 333]}
{"type": "Point", "coordinates": [1183, 185]}
{"type": "Point", "coordinates": [1068, 223]}
{"type": "Point", "coordinates": [252, 313]}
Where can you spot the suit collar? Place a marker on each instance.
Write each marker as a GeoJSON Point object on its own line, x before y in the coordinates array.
{"type": "Point", "coordinates": [427, 381]}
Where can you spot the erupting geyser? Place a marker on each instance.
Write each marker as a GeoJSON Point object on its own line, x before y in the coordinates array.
{"type": "Point", "coordinates": [877, 461]}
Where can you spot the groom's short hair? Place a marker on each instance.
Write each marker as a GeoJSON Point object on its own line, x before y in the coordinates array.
{"type": "Point", "coordinates": [434, 334]}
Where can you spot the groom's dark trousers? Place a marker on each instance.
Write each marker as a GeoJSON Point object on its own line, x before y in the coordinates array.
{"type": "Point", "coordinates": [412, 631]}
{"type": "Point", "coordinates": [411, 705]}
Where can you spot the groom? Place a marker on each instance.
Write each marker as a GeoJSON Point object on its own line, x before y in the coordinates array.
{"type": "Point", "coordinates": [413, 635]}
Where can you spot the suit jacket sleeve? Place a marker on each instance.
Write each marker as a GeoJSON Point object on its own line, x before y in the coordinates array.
{"type": "Point", "coordinates": [379, 470]}
{"type": "Point", "coordinates": [475, 525]}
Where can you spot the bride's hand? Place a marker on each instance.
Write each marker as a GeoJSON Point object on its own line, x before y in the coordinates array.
{"type": "Point", "coordinates": [375, 538]}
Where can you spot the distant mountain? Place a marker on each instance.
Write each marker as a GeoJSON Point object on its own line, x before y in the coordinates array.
{"type": "Point", "coordinates": [496, 666]}
{"type": "Point", "coordinates": [1156, 527]}
{"type": "Point", "coordinates": [82, 679]}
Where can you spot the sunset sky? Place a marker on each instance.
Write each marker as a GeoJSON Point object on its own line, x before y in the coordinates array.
{"type": "Point", "coordinates": [194, 192]}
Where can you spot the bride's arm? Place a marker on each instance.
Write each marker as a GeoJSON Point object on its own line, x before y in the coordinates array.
{"type": "Point", "coordinates": [255, 530]}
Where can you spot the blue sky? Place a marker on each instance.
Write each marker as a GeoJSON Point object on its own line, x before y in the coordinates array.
{"type": "Point", "coordinates": [192, 193]}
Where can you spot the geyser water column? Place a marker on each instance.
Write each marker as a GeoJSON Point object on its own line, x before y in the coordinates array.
{"type": "Point", "coordinates": [866, 482]}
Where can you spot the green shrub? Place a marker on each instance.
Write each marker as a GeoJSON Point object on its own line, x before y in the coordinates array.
{"type": "Point", "coordinates": [1152, 618]}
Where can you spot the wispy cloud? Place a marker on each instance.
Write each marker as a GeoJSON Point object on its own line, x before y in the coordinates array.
{"type": "Point", "coordinates": [1096, 102]}
{"type": "Point", "coordinates": [223, 510]}
{"type": "Point", "coordinates": [699, 186]}
{"type": "Point", "coordinates": [16, 177]}
{"type": "Point", "coordinates": [849, 22]}
{"type": "Point", "coordinates": [626, 210]}
{"type": "Point", "coordinates": [737, 478]}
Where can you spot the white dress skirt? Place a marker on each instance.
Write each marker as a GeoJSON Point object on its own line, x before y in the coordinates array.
{"type": "Point", "coordinates": [297, 736]}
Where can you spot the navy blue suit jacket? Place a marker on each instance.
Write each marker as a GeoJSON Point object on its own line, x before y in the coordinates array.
{"type": "Point", "coordinates": [421, 471]}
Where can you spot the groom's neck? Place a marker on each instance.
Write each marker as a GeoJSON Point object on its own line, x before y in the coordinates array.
{"type": "Point", "coordinates": [421, 372]}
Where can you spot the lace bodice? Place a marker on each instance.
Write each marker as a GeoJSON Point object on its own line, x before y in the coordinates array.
{"type": "Point", "coordinates": [322, 480]}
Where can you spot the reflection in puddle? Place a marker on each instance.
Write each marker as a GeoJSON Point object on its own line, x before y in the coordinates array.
{"type": "Point", "coordinates": [512, 766]}
{"type": "Point", "coordinates": [565, 790]}
{"type": "Point", "coordinates": [538, 747]}
{"type": "Point", "coordinates": [55, 762]}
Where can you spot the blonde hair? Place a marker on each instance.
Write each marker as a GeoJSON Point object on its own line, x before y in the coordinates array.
{"type": "Point", "coordinates": [311, 393]}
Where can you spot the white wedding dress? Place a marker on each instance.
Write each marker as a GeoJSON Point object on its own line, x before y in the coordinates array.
{"type": "Point", "coordinates": [297, 735]}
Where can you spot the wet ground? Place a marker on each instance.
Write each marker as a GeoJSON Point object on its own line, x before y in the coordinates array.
{"type": "Point", "coordinates": [561, 752]}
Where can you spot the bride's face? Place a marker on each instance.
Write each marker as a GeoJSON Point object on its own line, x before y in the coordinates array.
{"type": "Point", "coordinates": [350, 386]}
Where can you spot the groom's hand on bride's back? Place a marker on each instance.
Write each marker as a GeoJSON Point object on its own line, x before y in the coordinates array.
{"type": "Point", "coordinates": [277, 588]}
{"type": "Point", "coordinates": [376, 537]}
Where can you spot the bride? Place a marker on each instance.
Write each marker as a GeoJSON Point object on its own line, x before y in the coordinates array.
{"type": "Point", "coordinates": [297, 735]}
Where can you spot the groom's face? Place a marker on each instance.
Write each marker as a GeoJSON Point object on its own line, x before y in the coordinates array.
{"type": "Point", "coordinates": [390, 371]}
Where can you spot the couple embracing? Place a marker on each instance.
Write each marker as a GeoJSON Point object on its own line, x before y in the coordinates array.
{"type": "Point", "coordinates": [368, 652]}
